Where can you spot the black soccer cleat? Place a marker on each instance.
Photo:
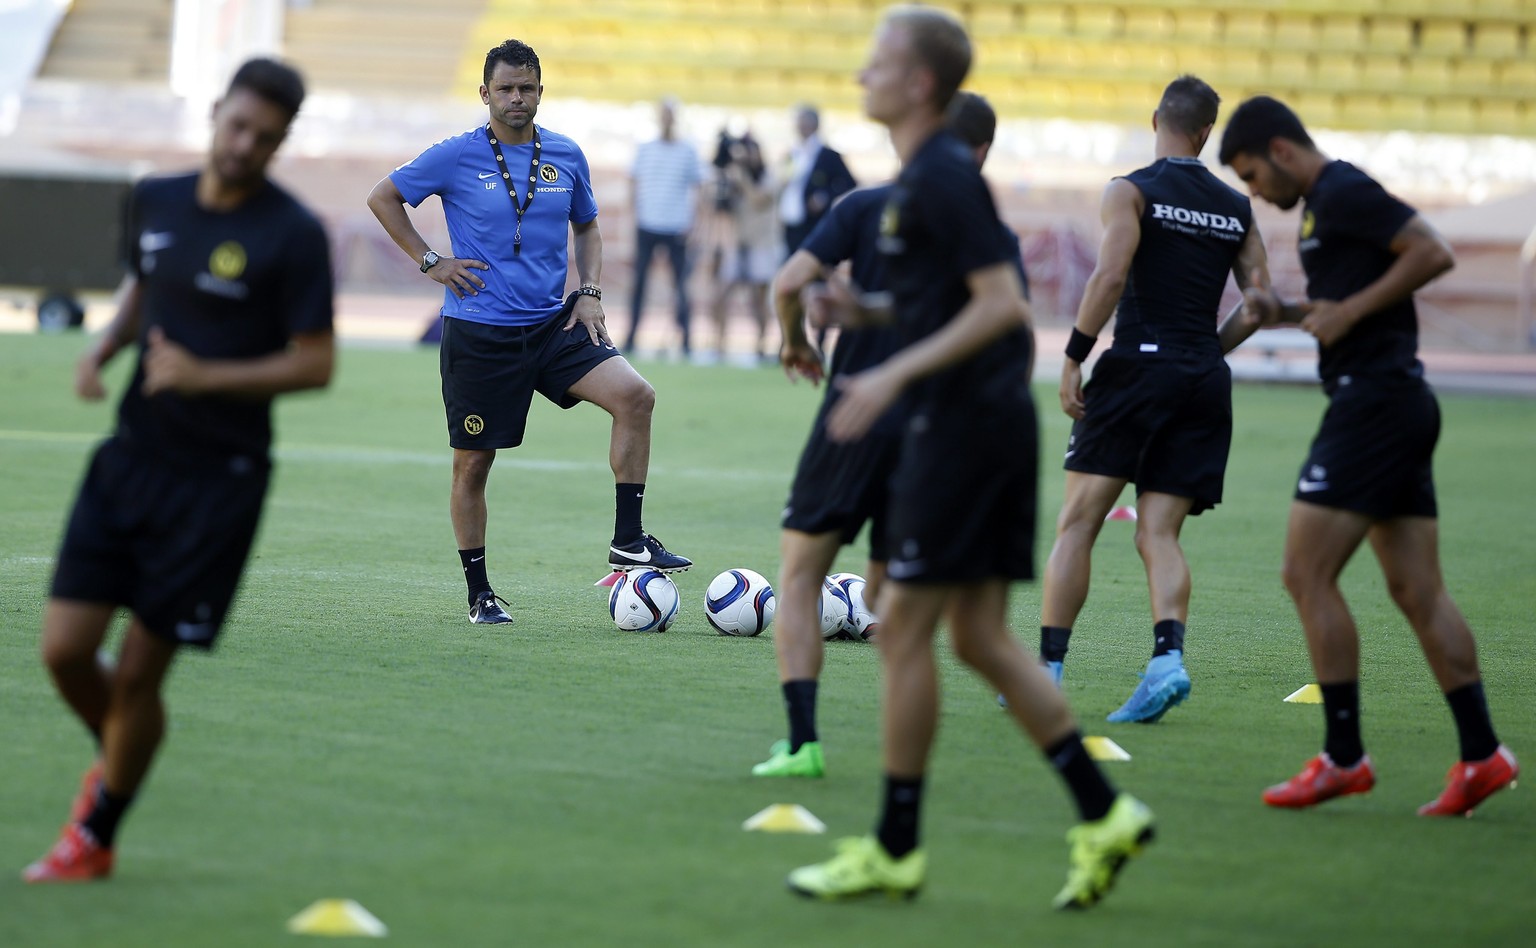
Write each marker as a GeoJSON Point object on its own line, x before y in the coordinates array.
{"type": "Point", "coordinates": [487, 610]}
{"type": "Point", "coordinates": [646, 553]}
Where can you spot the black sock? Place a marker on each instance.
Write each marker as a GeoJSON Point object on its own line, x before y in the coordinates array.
{"type": "Point", "coordinates": [1053, 643]}
{"type": "Point", "coordinates": [1167, 636]}
{"type": "Point", "coordinates": [474, 572]}
{"type": "Point", "coordinates": [1083, 777]}
{"type": "Point", "coordinates": [628, 499]}
{"type": "Point", "coordinates": [105, 814]}
{"type": "Point", "coordinates": [1473, 725]}
{"type": "Point", "coordinates": [897, 831]}
{"type": "Point", "coordinates": [800, 702]}
{"type": "Point", "coordinates": [1341, 712]}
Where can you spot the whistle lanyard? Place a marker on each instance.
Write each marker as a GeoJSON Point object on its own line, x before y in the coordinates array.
{"type": "Point", "coordinates": [521, 207]}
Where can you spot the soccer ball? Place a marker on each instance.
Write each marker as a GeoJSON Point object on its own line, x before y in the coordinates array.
{"type": "Point", "coordinates": [835, 618]}
{"type": "Point", "coordinates": [643, 600]}
{"type": "Point", "coordinates": [862, 623]}
{"type": "Point", "coordinates": [739, 602]}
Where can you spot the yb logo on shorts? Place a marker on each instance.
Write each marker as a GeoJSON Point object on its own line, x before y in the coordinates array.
{"type": "Point", "coordinates": [473, 424]}
{"type": "Point", "coordinates": [227, 261]}
{"type": "Point", "coordinates": [548, 173]}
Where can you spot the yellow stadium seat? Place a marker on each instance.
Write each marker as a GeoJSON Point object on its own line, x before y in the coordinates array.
{"type": "Point", "coordinates": [1472, 76]}
{"type": "Point", "coordinates": [1496, 40]}
{"type": "Point", "coordinates": [1045, 19]}
{"type": "Point", "coordinates": [1297, 30]}
{"type": "Point", "coordinates": [1341, 32]}
{"type": "Point", "coordinates": [1391, 34]}
{"type": "Point", "coordinates": [1382, 73]}
{"type": "Point", "coordinates": [1362, 110]}
{"type": "Point", "coordinates": [1451, 115]}
{"type": "Point", "coordinates": [1429, 75]}
{"type": "Point", "coordinates": [1149, 24]}
{"type": "Point", "coordinates": [1246, 28]}
{"type": "Point", "coordinates": [1497, 117]}
{"type": "Point", "coordinates": [987, 19]}
{"type": "Point", "coordinates": [1316, 109]}
{"type": "Point", "coordinates": [1517, 77]}
{"type": "Point", "coordinates": [1513, 9]}
{"type": "Point", "coordinates": [1446, 37]}
{"type": "Point", "coordinates": [1096, 21]}
{"type": "Point", "coordinates": [1238, 67]}
{"type": "Point", "coordinates": [1197, 25]}
{"type": "Point", "coordinates": [1410, 113]}
{"type": "Point", "coordinates": [1336, 72]}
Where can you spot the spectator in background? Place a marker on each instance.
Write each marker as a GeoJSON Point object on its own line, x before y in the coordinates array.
{"type": "Point", "coordinates": [750, 252]}
{"type": "Point", "coordinates": [664, 182]}
{"type": "Point", "coordinates": [817, 176]}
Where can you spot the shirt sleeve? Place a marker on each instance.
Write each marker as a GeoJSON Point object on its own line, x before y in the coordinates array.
{"type": "Point", "coordinates": [583, 203]}
{"type": "Point", "coordinates": [429, 172]}
{"type": "Point", "coordinates": [308, 295]}
{"type": "Point", "coordinates": [835, 237]}
{"type": "Point", "coordinates": [1363, 209]}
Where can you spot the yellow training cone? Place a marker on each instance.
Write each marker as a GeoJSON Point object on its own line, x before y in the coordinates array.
{"type": "Point", "coordinates": [785, 818]}
{"type": "Point", "coordinates": [1102, 748]}
{"type": "Point", "coordinates": [1306, 694]}
{"type": "Point", "coordinates": [337, 917]}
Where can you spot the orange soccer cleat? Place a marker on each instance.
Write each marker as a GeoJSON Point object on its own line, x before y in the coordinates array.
{"type": "Point", "coordinates": [76, 857]}
{"type": "Point", "coordinates": [1321, 780]}
{"type": "Point", "coordinates": [86, 798]}
{"type": "Point", "coordinates": [1471, 782]}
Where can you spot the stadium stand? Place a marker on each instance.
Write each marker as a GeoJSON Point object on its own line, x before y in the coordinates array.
{"type": "Point", "coordinates": [112, 41]}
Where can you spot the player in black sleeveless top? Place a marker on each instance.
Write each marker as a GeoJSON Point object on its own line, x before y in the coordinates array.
{"type": "Point", "coordinates": [1369, 473]}
{"type": "Point", "coordinates": [1158, 410]}
{"type": "Point", "coordinates": [963, 494]}
{"type": "Point", "coordinates": [229, 300]}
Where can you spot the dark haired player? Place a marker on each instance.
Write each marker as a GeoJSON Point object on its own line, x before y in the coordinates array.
{"type": "Point", "coordinates": [963, 496]}
{"type": "Point", "coordinates": [1158, 411]}
{"type": "Point", "coordinates": [510, 192]}
{"type": "Point", "coordinates": [1369, 473]}
{"type": "Point", "coordinates": [838, 486]}
{"type": "Point", "coordinates": [229, 300]}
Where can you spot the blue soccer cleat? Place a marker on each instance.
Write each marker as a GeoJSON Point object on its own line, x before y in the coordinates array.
{"type": "Point", "coordinates": [1164, 684]}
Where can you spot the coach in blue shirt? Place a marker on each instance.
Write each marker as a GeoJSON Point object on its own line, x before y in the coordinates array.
{"type": "Point", "coordinates": [509, 190]}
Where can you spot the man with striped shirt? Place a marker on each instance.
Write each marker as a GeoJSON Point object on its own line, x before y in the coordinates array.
{"type": "Point", "coordinates": [664, 185]}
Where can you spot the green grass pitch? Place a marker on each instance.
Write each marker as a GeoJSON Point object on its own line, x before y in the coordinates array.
{"type": "Point", "coordinates": [563, 783]}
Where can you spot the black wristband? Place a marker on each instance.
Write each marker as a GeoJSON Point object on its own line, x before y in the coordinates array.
{"type": "Point", "coordinates": [1080, 345]}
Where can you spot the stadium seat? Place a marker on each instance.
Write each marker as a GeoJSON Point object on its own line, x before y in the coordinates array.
{"type": "Point", "coordinates": [1246, 28]}
{"type": "Point", "coordinates": [1429, 75]}
{"type": "Point", "coordinates": [1407, 112]}
{"type": "Point", "coordinates": [1341, 33]}
{"type": "Point", "coordinates": [1452, 116]}
{"type": "Point", "coordinates": [1041, 19]}
{"type": "Point", "coordinates": [1382, 73]}
{"type": "Point", "coordinates": [1496, 40]}
{"type": "Point", "coordinates": [1152, 25]}
{"type": "Point", "coordinates": [1316, 109]}
{"type": "Point", "coordinates": [1197, 26]}
{"type": "Point", "coordinates": [1390, 35]}
{"type": "Point", "coordinates": [1516, 76]}
{"type": "Point", "coordinates": [1336, 71]}
{"type": "Point", "coordinates": [1445, 37]}
{"type": "Point", "coordinates": [1362, 110]}
{"type": "Point", "coordinates": [1096, 21]}
{"type": "Point", "coordinates": [1296, 30]}
{"type": "Point", "coordinates": [1472, 77]}
{"type": "Point", "coordinates": [1497, 117]}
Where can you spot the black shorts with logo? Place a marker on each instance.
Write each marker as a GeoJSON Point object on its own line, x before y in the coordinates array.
{"type": "Point", "coordinates": [964, 495]}
{"type": "Point", "coordinates": [1374, 453]}
{"type": "Point", "coordinates": [491, 372]}
{"type": "Point", "coordinates": [167, 540]}
{"type": "Point", "coordinates": [1162, 420]}
{"type": "Point", "coordinates": [840, 485]}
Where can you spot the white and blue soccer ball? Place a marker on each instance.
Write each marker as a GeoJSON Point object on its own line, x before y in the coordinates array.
{"type": "Point", "coordinates": [643, 600]}
{"type": "Point", "coordinates": [836, 619]}
{"type": "Point", "coordinates": [862, 623]}
{"type": "Point", "coordinates": [739, 602]}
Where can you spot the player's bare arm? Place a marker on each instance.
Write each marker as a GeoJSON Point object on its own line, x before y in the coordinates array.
{"type": "Point", "coordinates": [1250, 269]}
{"type": "Point", "coordinates": [1422, 255]}
{"type": "Point", "coordinates": [1120, 211]}
{"type": "Point", "coordinates": [388, 205]}
{"type": "Point", "coordinates": [117, 336]}
{"type": "Point", "coordinates": [797, 354]}
{"type": "Point", "coordinates": [588, 310]}
{"type": "Point", "coordinates": [306, 363]}
{"type": "Point", "coordinates": [996, 307]}
{"type": "Point", "coordinates": [839, 302]}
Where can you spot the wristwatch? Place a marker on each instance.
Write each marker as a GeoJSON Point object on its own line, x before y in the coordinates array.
{"type": "Point", "coordinates": [429, 260]}
{"type": "Point", "coordinates": [590, 289]}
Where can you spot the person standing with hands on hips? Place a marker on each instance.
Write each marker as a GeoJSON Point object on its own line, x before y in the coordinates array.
{"type": "Point", "coordinates": [509, 191]}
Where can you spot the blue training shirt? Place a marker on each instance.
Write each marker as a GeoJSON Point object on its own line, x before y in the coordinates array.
{"type": "Point", "coordinates": [519, 290]}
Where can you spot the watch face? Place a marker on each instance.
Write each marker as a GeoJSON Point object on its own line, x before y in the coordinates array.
{"type": "Point", "coordinates": [429, 260]}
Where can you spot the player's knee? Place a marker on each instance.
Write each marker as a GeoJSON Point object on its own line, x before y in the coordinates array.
{"type": "Point", "coordinates": [1416, 597]}
{"type": "Point", "coordinates": [1296, 576]}
{"type": "Point", "coordinates": [640, 398]}
{"type": "Point", "coordinates": [63, 655]}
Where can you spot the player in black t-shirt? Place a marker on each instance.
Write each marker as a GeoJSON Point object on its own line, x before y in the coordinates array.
{"type": "Point", "coordinates": [963, 496]}
{"type": "Point", "coordinates": [838, 486]}
{"type": "Point", "coordinates": [1158, 411]}
{"type": "Point", "coordinates": [1369, 473]}
{"type": "Point", "coordinates": [229, 299]}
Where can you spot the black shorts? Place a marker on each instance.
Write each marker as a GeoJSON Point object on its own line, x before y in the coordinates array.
{"type": "Point", "coordinates": [1162, 420]}
{"type": "Point", "coordinates": [964, 495]}
{"type": "Point", "coordinates": [491, 372]}
{"type": "Point", "coordinates": [1375, 450]}
{"type": "Point", "coordinates": [167, 542]}
{"type": "Point", "coordinates": [840, 485]}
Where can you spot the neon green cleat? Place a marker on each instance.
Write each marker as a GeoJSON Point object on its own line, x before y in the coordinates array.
{"type": "Point", "coordinates": [1100, 849]}
{"type": "Point", "coordinates": [805, 762]}
{"type": "Point", "coordinates": [861, 867]}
